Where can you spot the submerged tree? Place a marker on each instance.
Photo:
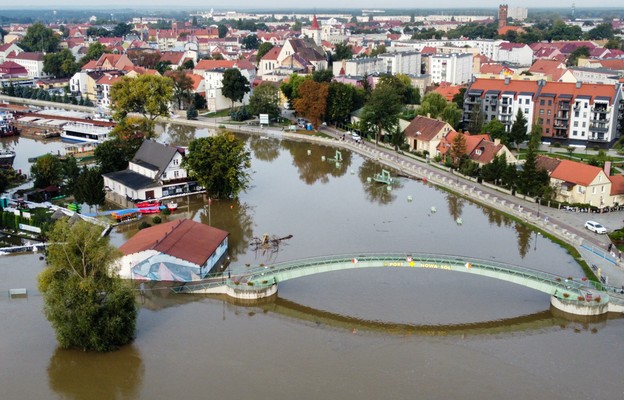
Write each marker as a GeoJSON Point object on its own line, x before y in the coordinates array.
{"type": "Point", "coordinates": [219, 164]}
{"type": "Point", "coordinates": [90, 308]}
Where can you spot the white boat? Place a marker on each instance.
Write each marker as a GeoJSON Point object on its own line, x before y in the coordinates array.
{"type": "Point", "coordinates": [85, 132]}
{"type": "Point", "coordinates": [172, 206]}
{"type": "Point", "coordinates": [6, 158]}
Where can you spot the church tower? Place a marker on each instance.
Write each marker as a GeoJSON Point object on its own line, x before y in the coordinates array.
{"type": "Point", "coordinates": [502, 15]}
{"type": "Point", "coordinates": [315, 31]}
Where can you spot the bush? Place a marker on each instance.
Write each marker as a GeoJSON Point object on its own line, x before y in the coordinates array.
{"type": "Point", "coordinates": [156, 220]}
{"type": "Point", "coordinates": [144, 225]}
{"type": "Point", "coordinates": [166, 211]}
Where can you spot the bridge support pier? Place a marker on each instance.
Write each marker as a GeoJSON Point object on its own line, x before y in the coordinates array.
{"type": "Point", "coordinates": [581, 307]}
{"type": "Point", "coordinates": [244, 292]}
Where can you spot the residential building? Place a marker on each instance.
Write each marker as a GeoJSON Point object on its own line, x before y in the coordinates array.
{"type": "Point", "coordinates": [479, 148]}
{"type": "Point", "coordinates": [32, 61]}
{"type": "Point", "coordinates": [154, 172]}
{"type": "Point", "coordinates": [8, 48]}
{"type": "Point", "coordinates": [423, 134]}
{"type": "Point", "coordinates": [212, 72]}
{"type": "Point", "coordinates": [517, 54]}
{"type": "Point", "coordinates": [455, 69]}
{"type": "Point", "coordinates": [572, 113]}
{"type": "Point", "coordinates": [578, 183]}
{"type": "Point", "coordinates": [180, 251]}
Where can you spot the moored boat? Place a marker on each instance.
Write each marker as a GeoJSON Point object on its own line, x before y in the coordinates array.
{"type": "Point", "coordinates": [149, 210]}
{"type": "Point", "coordinates": [6, 158]}
{"type": "Point", "coordinates": [147, 203]}
{"type": "Point", "coordinates": [172, 206]}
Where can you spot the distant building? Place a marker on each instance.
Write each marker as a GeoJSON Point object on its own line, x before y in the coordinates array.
{"type": "Point", "coordinates": [455, 69]}
{"type": "Point", "coordinates": [502, 15]}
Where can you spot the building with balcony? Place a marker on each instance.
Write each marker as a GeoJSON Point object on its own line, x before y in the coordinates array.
{"type": "Point", "coordinates": [570, 113]}
{"type": "Point", "coordinates": [455, 68]}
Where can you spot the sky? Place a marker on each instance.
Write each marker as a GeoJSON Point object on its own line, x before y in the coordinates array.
{"type": "Point", "coordinates": [290, 5]}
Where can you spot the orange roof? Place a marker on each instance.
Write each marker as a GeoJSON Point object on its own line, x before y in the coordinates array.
{"type": "Point", "coordinates": [184, 239]}
{"type": "Point", "coordinates": [575, 172]}
{"type": "Point", "coordinates": [617, 184]}
{"type": "Point", "coordinates": [546, 67]}
{"type": "Point", "coordinates": [447, 90]}
{"type": "Point", "coordinates": [485, 151]}
{"type": "Point", "coordinates": [424, 129]}
{"type": "Point", "coordinates": [503, 30]}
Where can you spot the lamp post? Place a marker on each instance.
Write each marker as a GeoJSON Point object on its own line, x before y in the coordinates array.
{"type": "Point", "coordinates": [538, 207]}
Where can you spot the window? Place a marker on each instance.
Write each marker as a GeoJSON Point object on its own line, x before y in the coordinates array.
{"type": "Point", "coordinates": [574, 133]}
{"type": "Point", "coordinates": [550, 102]}
{"type": "Point", "coordinates": [548, 121]}
{"type": "Point", "coordinates": [547, 130]}
{"type": "Point", "coordinates": [526, 111]}
{"type": "Point", "coordinates": [176, 161]}
{"type": "Point", "coordinates": [542, 102]}
{"type": "Point", "coordinates": [584, 105]}
{"type": "Point", "coordinates": [578, 189]}
{"type": "Point", "coordinates": [602, 189]}
{"type": "Point", "coordinates": [526, 101]}
{"type": "Point", "coordinates": [176, 174]}
{"type": "Point", "coordinates": [575, 124]}
{"type": "Point", "coordinates": [584, 124]}
{"type": "Point", "coordinates": [576, 114]}
{"type": "Point", "coordinates": [594, 190]}
{"type": "Point", "coordinates": [549, 112]}
{"type": "Point", "coordinates": [541, 111]}
{"type": "Point", "coordinates": [164, 175]}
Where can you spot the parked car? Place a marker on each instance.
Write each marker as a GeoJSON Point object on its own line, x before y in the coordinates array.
{"type": "Point", "coordinates": [356, 137]}
{"type": "Point", "coordinates": [595, 227]}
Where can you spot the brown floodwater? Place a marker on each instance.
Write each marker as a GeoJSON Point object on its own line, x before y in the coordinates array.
{"type": "Point", "coordinates": [362, 334]}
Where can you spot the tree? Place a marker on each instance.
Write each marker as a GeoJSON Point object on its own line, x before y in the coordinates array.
{"type": "Point", "coordinates": [458, 149]}
{"type": "Point", "coordinates": [148, 95]}
{"type": "Point", "coordinates": [219, 163]}
{"type": "Point", "coordinates": [533, 181]}
{"type": "Point", "coordinates": [187, 65]}
{"type": "Point", "coordinates": [343, 51]}
{"type": "Point", "coordinates": [263, 49]}
{"type": "Point", "coordinates": [342, 100]}
{"type": "Point", "coordinates": [579, 52]}
{"type": "Point", "coordinates": [475, 125]}
{"type": "Point", "coordinates": [235, 85]}
{"type": "Point", "coordinates": [122, 29]}
{"type": "Point", "coordinates": [71, 171]}
{"type": "Point", "coordinates": [89, 308]}
{"type": "Point", "coordinates": [397, 137]}
{"type": "Point", "coordinates": [199, 101]}
{"type": "Point", "coordinates": [324, 75]}
{"type": "Point", "coordinates": [381, 112]}
{"type": "Point", "coordinates": [518, 132]}
{"type": "Point", "coordinates": [250, 42]}
{"type": "Point", "coordinates": [602, 31]}
{"type": "Point", "coordinates": [94, 52]}
{"type": "Point", "coordinates": [459, 98]}
{"type": "Point", "coordinates": [114, 155]}
{"type": "Point", "coordinates": [265, 100]}
{"type": "Point", "coordinates": [90, 187]}
{"type": "Point", "coordinates": [312, 101]}
{"type": "Point", "coordinates": [451, 114]}
{"type": "Point", "coordinates": [60, 64]}
{"type": "Point", "coordinates": [381, 49]}
{"type": "Point", "coordinates": [290, 87]}
{"type": "Point", "coordinates": [191, 112]}
{"type": "Point", "coordinates": [182, 86]}
{"type": "Point", "coordinates": [432, 105]}
{"type": "Point", "coordinates": [223, 30]}
{"type": "Point", "coordinates": [496, 130]}
{"type": "Point", "coordinates": [402, 84]}
{"type": "Point", "coordinates": [40, 38]}
{"type": "Point", "coordinates": [163, 66]}
{"type": "Point", "coordinates": [47, 171]}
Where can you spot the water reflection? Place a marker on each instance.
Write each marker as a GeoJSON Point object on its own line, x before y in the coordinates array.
{"type": "Point", "coordinates": [455, 205]}
{"type": "Point", "coordinates": [524, 239]}
{"type": "Point", "coordinates": [180, 135]}
{"type": "Point", "coordinates": [264, 149]}
{"type": "Point", "coordinates": [311, 167]}
{"type": "Point", "coordinates": [376, 192]}
{"type": "Point", "coordinates": [231, 216]}
{"type": "Point", "coordinates": [80, 375]}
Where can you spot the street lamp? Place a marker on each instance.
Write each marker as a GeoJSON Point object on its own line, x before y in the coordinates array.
{"type": "Point", "coordinates": [538, 207]}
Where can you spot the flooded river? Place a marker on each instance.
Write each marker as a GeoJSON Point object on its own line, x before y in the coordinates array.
{"type": "Point", "coordinates": [365, 334]}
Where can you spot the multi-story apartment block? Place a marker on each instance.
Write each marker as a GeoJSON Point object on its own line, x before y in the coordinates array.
{"type": "Point", "coordinates": [455, 69]}
{"type": "Point", "coordinates": [571, 113]}
{"type": "Point", "coordinates": [401, 62]}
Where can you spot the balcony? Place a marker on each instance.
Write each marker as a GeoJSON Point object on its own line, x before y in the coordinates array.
{"type": "Point", "coordinates": [564, 106]}
{"type": "Point", "coordinates": [597, 119]}
{"type": "Point", "coordinates": [600, 137]}
{"type": "Point", "coordinates": [506, 111]}
{"type": "Point", "coordinates": [602, 109]}
{"type": "Point", "coordinates": [473, 100]}
{"type": "Point", "coordinates": [562, 117]}
{"type": "Point", "coordinates": [599, 127]}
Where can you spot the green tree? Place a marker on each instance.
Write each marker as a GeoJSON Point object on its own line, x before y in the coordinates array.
{"type": "Point", "coordinates": [114, 155]}
{"type": "Point", "coordinates": [265, 100]}
{"type": "Point", "coordinates": [496, 130]}
{"type": "Point", "coordinates": [220, 164]}
{"type": "Point", "coordinates": [343, 51]}
{"type": "Point", "coordinates": [324, 75]}
{"type": "Point", "coordinates": [191, 112]}
{"type": "Point", "coordinates": [122, 29]}
{"type": "Point", "coordinates": [235, 85]}
{"type": "Point", "coordinates": [148, 95]}
{"type": "Point", "coordinates": [381, 49]}
{"type": "Point", "coordinates": [163, 66]}
{"type": "Point", "coordinates": [40, 38]}
{"type": "Point", "coordinates": [602, 31]}
{"type": "Point", "coordinates": [60, 64]}
{"type": "Point", "coordinates": [451, 114]}
{"type": "Point", "coordinates": [432, 105]}
{"type": "Point", "coordinates": [580, 52]}
{"type": "Point", "coordinates": [475, 125]}
{"type": "Point", "coordinates": [223, 30]}
{"type": "Point", "coordinates": [89, 308]}
{"type": "Point", "coordinates": [47, 170]}
{"type": "Point", "coordinates": [199, 101]}
{"type": "Point", "coordinates": [342, 100]}
{"type": "Point", "coordinates": [182, 86]}
{"type": "Point", "coordinates": [90, 187]}
{"type": "Point", "coordinates": [250, 42]}
{"type": "Point", "coordinates": [290, 88]}
{"type": "Point", "coordinates": [264, 48]}
{"type": "Point", "coordinates": [71, 171]}
{"type": "Point", "coordinates": [381, 112]}
{"type": "Point", "coordinates": [532, 180]}
{"type": "Point", "coordinates": [518, 132]}
{"type": "Point", "coordinates": [94, 52]}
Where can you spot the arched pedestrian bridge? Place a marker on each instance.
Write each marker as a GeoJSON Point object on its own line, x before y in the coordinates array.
{"type": "Point", "coordinates": [570, 295]}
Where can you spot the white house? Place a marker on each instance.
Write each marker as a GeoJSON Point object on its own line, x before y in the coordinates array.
{"type": "Point", "coordinates": [518, 54]}
{"type": "Point", "coordinates": [153, 173]}
{"type": "Point", "coordinates": [455, 68]}
{"type": "Point", "coordinates": [32, 61]}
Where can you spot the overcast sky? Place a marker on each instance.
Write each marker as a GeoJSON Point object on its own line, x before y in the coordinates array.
{"type": "Point", "coordinates": [289, 4]}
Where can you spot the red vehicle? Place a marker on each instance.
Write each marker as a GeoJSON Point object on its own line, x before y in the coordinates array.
{"type": "Point", "coordinates": [149, 210]}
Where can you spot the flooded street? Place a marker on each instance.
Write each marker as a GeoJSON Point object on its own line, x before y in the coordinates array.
{"type": "Point", "coordinates": [358, 334]}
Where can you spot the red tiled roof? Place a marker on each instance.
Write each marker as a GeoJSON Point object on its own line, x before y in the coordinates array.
{"type": "Point", "coordinates": [547, 163]}
{"type": "Point", "coordinates": [617, 184]}
{"type": "Point", "coordinates": [183, 239]}
{"type": "Point", "coordinates": [424, 129]}
{"type": "Point", "coordinates": [575, 172]}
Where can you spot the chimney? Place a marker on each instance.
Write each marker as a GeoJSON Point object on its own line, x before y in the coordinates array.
{"type": "Point", "coordinates": [507, 80]}
{"type": "Point", "coordinates": [607, 168]}
{"type": "Point", "coordinates": [496, 142]}
{"type": "Point", "coordinates": [578, 84]}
